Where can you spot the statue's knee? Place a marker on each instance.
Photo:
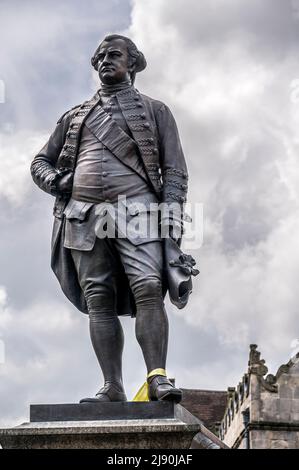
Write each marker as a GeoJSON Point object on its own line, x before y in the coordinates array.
{"type": "Point", "coordinates": [99, 304]}
{"type": "Point", "coordinates": [147, 289]}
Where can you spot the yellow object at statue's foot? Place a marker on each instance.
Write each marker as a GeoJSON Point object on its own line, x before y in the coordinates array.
{"type": "Point", "coordinates": [142, 394]}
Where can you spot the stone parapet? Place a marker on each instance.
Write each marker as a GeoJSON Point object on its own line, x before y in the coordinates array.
{"type": "Point", "coordinates": [270, 402]}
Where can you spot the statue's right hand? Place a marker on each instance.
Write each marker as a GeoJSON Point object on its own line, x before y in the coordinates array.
{"type": "Point", "coordinates": [65, 183]}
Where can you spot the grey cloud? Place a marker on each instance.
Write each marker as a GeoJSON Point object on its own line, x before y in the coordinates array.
{"type": "Point", "coordinates": [225, 69]}
{"type": "Point", "coordinates": [267, 29]}
{"type": "Point", "coordinates": [45, 65]}
{"type": "Point", "coordinates": [46, 51]}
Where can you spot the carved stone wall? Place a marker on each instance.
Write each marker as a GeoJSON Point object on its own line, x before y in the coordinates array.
{"type": "Point", "coordinates": [232, 423]}
{"type": "Point", "coordinates": [272, 404]}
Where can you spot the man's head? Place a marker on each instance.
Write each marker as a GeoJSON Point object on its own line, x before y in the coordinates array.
{"type": "Point", "coordinates": [117, 59]}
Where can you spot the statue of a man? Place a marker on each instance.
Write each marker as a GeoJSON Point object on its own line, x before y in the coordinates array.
{"type": "Point", "coordinates": [120, 142]}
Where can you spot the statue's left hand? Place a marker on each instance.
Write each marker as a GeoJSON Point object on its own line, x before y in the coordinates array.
{"type": "Point", "coordinates": [65, 183]}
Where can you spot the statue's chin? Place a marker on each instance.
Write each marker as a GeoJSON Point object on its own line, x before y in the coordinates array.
{"type": "Point", "coordinates": [108, 81]}
{"type": "Point", "coordinates": [108, 78]}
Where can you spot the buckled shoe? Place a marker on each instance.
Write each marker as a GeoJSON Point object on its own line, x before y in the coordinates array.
{"type": "Point", "coordinates": [160, 388]}
{"type": "Point", "coordinates": [109, 392]}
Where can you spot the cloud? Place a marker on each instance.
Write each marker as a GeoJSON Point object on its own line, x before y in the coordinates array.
{"type": "Point", "coordinates": [226, 69]}
{"type": "Point", "coordinates": [44, 70]}
{"type": "Point", "coordinates": [16, 153]}
{"type": "Point", "coordinates": [45, 60]}
{"type": "Point", "coordinates": [41, 347]}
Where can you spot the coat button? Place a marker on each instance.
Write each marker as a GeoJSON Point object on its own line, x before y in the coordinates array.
{"type": "Point", "coordinates": [104, 159]}
{"type": "Point", "coordinates": [104, 173]}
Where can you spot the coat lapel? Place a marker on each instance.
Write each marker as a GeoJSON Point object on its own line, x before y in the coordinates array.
{"type": "Point", "coordinates": [139, 122]}
{"type": "Point", "coordinates": [107, 131]}
{"type": "Point", "coordinates": [68, 155]}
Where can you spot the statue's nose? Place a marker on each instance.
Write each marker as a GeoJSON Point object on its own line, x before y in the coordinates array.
{"type": "Point", "coordinates": [106, 60]}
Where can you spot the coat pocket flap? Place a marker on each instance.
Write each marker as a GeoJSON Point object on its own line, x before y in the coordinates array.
{"type": "Point", "coordinates": [77, 209]}
{"type": "Point", "coordinates": [140, 207]}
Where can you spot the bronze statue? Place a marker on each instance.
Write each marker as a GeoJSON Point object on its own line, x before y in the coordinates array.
{"type": "Point", "coordinates": [120, 142]}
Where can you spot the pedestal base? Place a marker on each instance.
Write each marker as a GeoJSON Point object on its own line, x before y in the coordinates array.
{"type": "Point", "coordinates": [130, 425]}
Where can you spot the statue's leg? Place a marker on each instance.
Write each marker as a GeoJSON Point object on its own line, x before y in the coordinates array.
{"type": "Point", "coordinates": [106, 336]}
{"type": "Point", "coordinates": [151, 322]}
{"type": "Point", "coordinates": [143, 265]}
{"type": "Point", "coordinates": [95, 269]}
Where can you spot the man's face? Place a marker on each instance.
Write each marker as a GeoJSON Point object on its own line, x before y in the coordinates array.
{"type": "Point", "coordinates": [113, 62]}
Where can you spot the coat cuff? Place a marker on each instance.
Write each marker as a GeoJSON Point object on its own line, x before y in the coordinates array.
{"type": "Point", "coordinates": [175, 186]}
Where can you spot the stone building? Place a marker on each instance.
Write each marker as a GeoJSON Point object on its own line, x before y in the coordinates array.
{"type": "Point", "coordinates": [262, 412]}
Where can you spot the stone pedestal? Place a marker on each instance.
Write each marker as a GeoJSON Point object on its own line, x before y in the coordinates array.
{"type": "Point", "coordinates": [130, 425]}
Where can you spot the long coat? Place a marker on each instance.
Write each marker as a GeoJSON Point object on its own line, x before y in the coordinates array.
{"type": "Point", "coordinates": [154, 130]}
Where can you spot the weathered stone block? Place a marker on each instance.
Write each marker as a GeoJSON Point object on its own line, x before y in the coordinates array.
{"type": "Point", "coordinates": [295, 406]}
{"type": "Point", "coordinates": [279, 444]}
{"type": "Point", "coordinates": [270, 409]}
{"type": "Point", "coordinates": [285, 391]}
{"type": "Point", "coordinates": [255, 406]}
{"type": "Point", "coordinates": [285, 409]}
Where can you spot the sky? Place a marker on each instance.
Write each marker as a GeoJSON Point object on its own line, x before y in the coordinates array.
{"type": "Point", "coordinates": [229, 71]}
